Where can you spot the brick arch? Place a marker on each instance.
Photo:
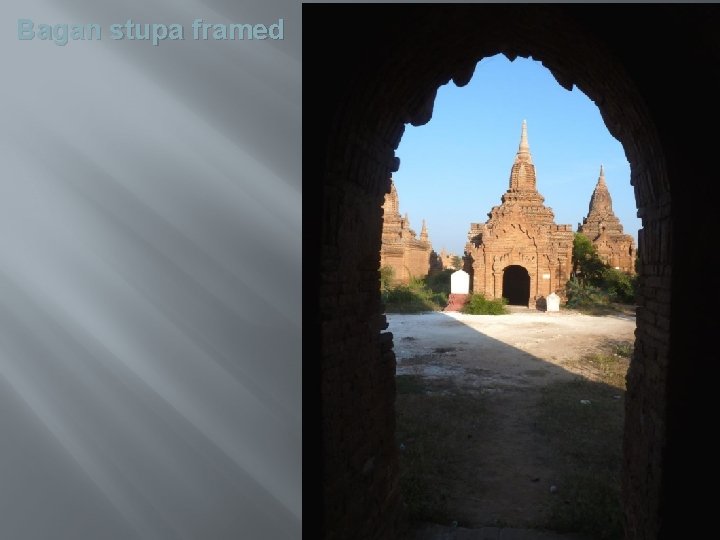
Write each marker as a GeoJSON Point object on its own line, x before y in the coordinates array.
{"type": "Point", "coordinates": [394, 82]}
{"type": "Point", "coordinates": [512, 262]}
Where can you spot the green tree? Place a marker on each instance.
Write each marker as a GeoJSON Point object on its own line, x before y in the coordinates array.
{"type": "Point", "coordinates": [592, 281]}
{"type": "Point", "coordinates": [387, 276]}
{"type": "Point", "coordinates": [439, 282]}
{"type": "Point", "coordinates": [457, 262]}
{"type": "Point", "coordinates": [619, 285]}
{"type": "Point", "coordinates": [588, 268]}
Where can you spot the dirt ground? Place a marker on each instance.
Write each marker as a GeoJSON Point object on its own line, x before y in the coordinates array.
{"type": "Point", "coordinates": [508, 359]}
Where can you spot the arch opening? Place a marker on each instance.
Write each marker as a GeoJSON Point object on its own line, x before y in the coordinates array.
{"type": "Point", "coordinates": [519, 238]}
{"type": "Point", "coordinates": [516, 285]}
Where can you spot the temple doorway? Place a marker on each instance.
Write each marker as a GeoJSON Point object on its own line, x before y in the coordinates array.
{"type": "Point", "coordinates": [516, 285]}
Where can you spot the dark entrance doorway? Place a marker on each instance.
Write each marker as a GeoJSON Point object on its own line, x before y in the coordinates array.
{"type": "Point", "coordinates": [516, 285]}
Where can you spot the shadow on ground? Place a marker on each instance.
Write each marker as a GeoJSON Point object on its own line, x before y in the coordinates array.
{"type": "Point", "coordinates": [493, 436]}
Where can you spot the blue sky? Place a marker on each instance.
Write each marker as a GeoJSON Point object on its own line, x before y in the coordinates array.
{"type": "Point", "coordinates": [454, 169]}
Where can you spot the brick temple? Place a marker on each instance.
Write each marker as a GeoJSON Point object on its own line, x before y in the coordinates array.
{"type": "Point", "coordinates": [604, 230]}
{"type": "Point", "coordinates": [520, 253]}
{"type": "Point", "coordinates": [447, 259]}
{"type": "Point", "coordinates": [401, 249]}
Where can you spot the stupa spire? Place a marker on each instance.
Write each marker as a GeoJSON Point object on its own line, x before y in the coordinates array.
{"type": "Point", "coordinates": [522, 174]}
{"type": "Point", "coordinates": [601, 202]}
{"type": "Point", "coordinates": [423, 231]}
{"type": "Point", "coordinates": [524, 148]}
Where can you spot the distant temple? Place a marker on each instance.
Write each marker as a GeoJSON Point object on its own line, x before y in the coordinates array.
{"type": "Point", "coordinates": [447, 259]}
{"type": "Point", "coordinates": [520, 253]}
{"type": "Point", "coordinates": [401, 249]}
{"type": "Point", "coordinates": [604, 230]}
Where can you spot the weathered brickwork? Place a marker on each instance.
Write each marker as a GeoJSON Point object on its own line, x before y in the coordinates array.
{"type": "Point", "coordinates": [604, 230]}
{"type": "Point", "coordinates": [383, 84]}
{"type": "Point", "coordinates": [520, 253]}
{"type": "Point", "coordinates": [401, 249]}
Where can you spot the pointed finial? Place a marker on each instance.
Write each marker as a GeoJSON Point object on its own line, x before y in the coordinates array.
{"type": "Point", "coordinates": [524, 148]}
{"type": "Point", "coordinates": [601, 180]}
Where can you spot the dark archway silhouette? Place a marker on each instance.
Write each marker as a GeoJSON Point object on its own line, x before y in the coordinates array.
{"type": "Point", "coordinates": [516, 285]}
{"type": "Point", "coordinates": [391, 63]}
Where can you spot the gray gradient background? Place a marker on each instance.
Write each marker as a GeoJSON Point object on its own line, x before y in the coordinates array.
{"type": "Point", "coordinates": [150, 277]}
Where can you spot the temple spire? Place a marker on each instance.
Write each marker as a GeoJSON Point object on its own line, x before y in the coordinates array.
{"type": "Point", "coordinates": [423, 232]}
{"type": "Point", "coordinates": [391, 206]}
{"type": "Point", "coordinates": [522, 174]}
{"type": "Point", "coordinates": [600, 201]}
{"type": "Point", "coordinates": [524, 148]}
{"type": "Point", "coordinates": [605, 231]}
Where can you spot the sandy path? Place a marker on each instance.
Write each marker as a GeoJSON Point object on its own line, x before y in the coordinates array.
{"type": "Point", "coordinates": [492, 351]}
{"type": "Point", "coordinates": [508, 358]}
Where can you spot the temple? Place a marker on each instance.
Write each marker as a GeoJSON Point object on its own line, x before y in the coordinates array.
{"type": "Point", "coordinates": [520, 253]}
{"type": "Point", "coordinates": [409, 256]}
{"type": "Point", "coordinates": [448, 260]}
{"type": "Point", "coordinates": [604, 230]}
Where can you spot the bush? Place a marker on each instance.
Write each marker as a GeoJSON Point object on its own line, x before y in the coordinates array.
{"type": "Point", "coordinates": [387, 275]}
{"type": "Point", "coordinates": [439, 282]}
{"type": "Point", "coordinates": [415, 297]}
{"type": "Point", "coordinates": [479, 305]}
{"type": "Point", "coordinates": [594, 283]}
{"type": "Point", "coordinates": [619, 286]}
{"type": "Point", "coordinates": [400, 294]}
{"type": "Point", "coordinates": [581, 294]}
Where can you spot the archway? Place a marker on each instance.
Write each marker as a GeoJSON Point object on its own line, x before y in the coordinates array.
{"type": "Point", "coordinates": [361, 112]}
{"type": "Point", "coordinates": [516, 285]}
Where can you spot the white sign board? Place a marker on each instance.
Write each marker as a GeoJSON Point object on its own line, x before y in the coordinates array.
{"type": "Point", "coordinates": [459, 282]}
{"type": "Point", "coordinates": [553, 302]}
